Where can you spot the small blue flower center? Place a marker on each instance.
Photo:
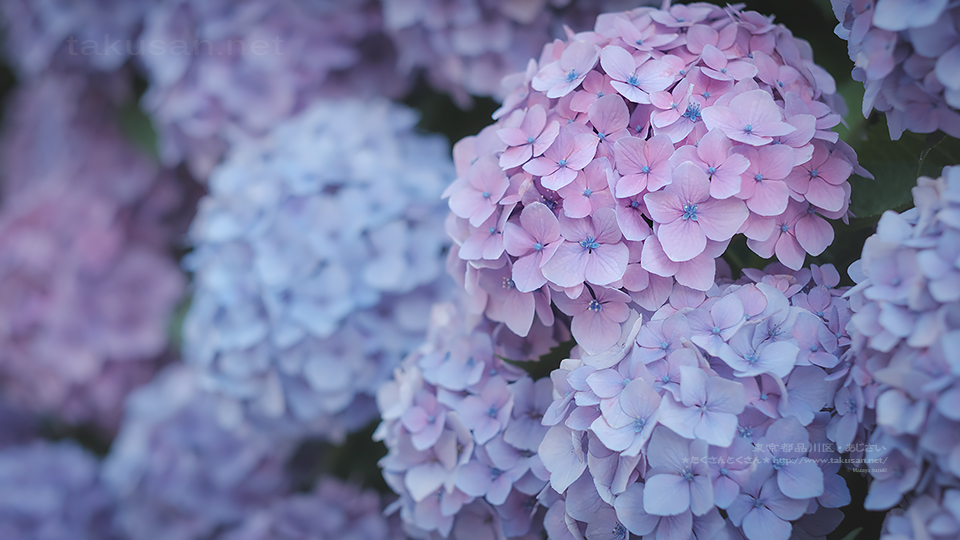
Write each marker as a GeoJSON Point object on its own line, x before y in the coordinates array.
{"type": "Point", "coordinates": [508, 284]}
{"type": "Point", "coordinates": [814, 348]}
{"type": "Point", "coordinates": [530, 140]}
{"type": "Point", "coordinates": [690, 211]}
{"type": "Point", "coordinates": [495, 473]}
{"type": "Point", "coordinates": [595, 306]}
{"type": "Point", "coordinates": [748, 128]}
{"type": "Point", "coordinates": [486, 194]}
{"type": "Point", "coordinates": [633, 81]}
{"type": "Point", "coordinates": [587, 192]}
{"type": "Point", "coordinates": [723, 471]}
{"type": "Point", "coordinates": [674, 105]}
{"type": "Point", "coordinates": [638, 424]}
{"type": "Point", "coordinates": [711, 170]}
{"type": "Point", "coordinates": [752, 358]}
{"type": "Point", "coordinates": [572, 75]}
{"type": "Point", "coordinates": [723, 70]}
{"type": "Point", "coordinates": [601, 136]}
{"type": "Point", "coordinates": [590, 243]}
{"type": "Point", "coordinates": [814, 173]}
{"type": "Point", "coordinates": [635, 204]}
{"type": "Point", "coordinates": [538, 246]}
{"type": "Point", "coordinates": [716, 330]}
{"type": "Point", "coordinates": [693, 112]}
{"type": "Point", "coordinates": [492, 412]}
{"type": "Point", "coordinates": [562, 163]}
{"type": "Point", "coordinates": [784, 228]}
{"type": "Point", "coordinates": [645, 169]}
{"type": "Point", "coordinates": [758, 177]}
{"type": "Point", "coordinates": [706, 95]}
{"type": "Point", "coordinates": [492, 230]}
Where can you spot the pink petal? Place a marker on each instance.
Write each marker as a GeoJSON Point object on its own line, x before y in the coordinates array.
{"type": "Point", "coordinates": [594, 332]}
{"type": "Point", "coordinates": [721, 219]}
{"type": "Point", "coordinates": [606, 264]}
{"type": "Point", "coordinates": [769, 198]}
{"type": "Point", "coordinates": [541, 166]}
{"type": "Point", "coordinates": [698, 273]}
{"type": "Point", "coordinates": [541, 222]}
{"type": "Point", "coordinates": [663, 206]}
{"type": "Point", "coordinates": [567, 266]}
{"type": "Point", "coordinates": [814, 234]}
{"type": "Point", "coordinates": [617, 62]}
{"type": "Point", "coordinates": [682, 239]}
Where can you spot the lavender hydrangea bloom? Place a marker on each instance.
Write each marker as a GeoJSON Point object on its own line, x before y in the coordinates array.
{"type": "Point", "coordinates": [87, 288]}
{"type": "Point", "coordinates": [228, 70]}
{"type": "Point", "coordinates": [656, 444]}
{"type": "Point", "coordinates": [900, 398]}
{"type": "Point", "coordinates": [719, 129]}
{"type": "Point", "coordinates": [450, 419]}
{"type": "Point", "coordinates": [181, 472]}
{"type": "Point", "coordinates": [466, 48]}
{"type": "Point", "coordinates": [52, 491]}
{"type": "Point", "coordinates": [318, 253]}
{"type": "Point", "coordinates": [67, 34]}
{"type": "Point", "coordinates": [907, 54]}
{"type": "Point", "coordinates": [333, 510]}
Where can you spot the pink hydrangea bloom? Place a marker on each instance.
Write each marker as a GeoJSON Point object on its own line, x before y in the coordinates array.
{"type": "Point", "coordinates": [648, 144]}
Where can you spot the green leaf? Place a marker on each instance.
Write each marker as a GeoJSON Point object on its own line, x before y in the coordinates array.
{"type": "Point", "coordinates": [136, 125]}
{"type": "Point", "coordinates": [543, 366]}
{"type": "Point", "coordinates": [853, 534]}
{"type": "Point", "coordinates": [896, 166]}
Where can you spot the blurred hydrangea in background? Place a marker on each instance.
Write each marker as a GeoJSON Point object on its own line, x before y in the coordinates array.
{"type": "Point", "coordinates": [479, 269]}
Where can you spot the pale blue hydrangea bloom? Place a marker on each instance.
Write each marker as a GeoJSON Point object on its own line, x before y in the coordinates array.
{"type": "Point", "coordinates": [907, 54]}
{"type": "Point", "coordinates": [332, 511]}
{"type": "Point", "coordinates": [901, 399]}
{"type": "Point", "coordinates": [222, 69]}
{"type": "Point", "coordinates": [181, 471]}
{"type": "Point", "coordinates": [318, 253]}
{"type": "Point", "coordinates": [52, 491]}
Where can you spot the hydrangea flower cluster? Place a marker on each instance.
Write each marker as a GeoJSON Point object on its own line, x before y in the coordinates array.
{"type": "Point", "coordinates": [630, 155]}
{"type": "Point", "coordinates": [907, 54]}
{"type": "Point", "coordinates": [86, 286]}
{"type": "Point", "coordinates": [318, 253]}
{"type": "Point", "coordinates": [182, 473]}
{"type": "Point", "coordinates": [52, 491]}
{"type": "Point", "coordinates": [462, 428]}
{"type": "Point", "coordinates": [70, 34]}
{"type": "Point", "coordinates": [467, 48]}
{"type": "Point", "coordinates": [333, 511]}
{"type": "Point", "coordinates": [713, 402]}
{"type": "Point", "coordinates": [906, 329]}
{"type": "Point", "coordinates": [226, 70]}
